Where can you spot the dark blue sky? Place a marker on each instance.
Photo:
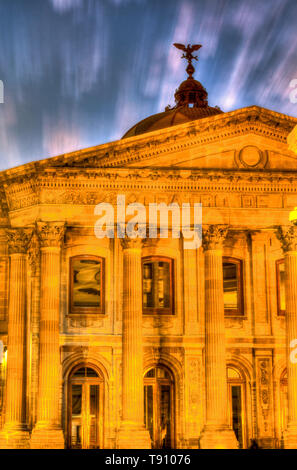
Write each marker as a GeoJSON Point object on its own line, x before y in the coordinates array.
{"type": "Point", "coordinates": [79, 73]}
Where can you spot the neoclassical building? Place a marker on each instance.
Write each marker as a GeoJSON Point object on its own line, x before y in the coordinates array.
{"type": "Point", "coordinates": [139, 342]}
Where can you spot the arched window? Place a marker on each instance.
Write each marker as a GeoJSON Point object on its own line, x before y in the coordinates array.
{"type": "Point", "coordinates": [237, 408]}
{"type": "Point", "coordinates": [86, 293]}
{"type": "Point", "coordinates": [280, 287]}
{"type": "Point", "coordinates": [159, 412]}
{"type": "Point", "coordinates": [157, 285]}
{"type": "Point", "coordinates": [85, 408]}
{"type": "Point", "coordinates": [233, 286]}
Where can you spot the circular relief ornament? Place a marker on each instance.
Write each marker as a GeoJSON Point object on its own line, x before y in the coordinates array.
{"type": "Point", "coordinates": [251, 157]}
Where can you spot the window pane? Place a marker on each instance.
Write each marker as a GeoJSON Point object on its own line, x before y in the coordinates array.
{"type": "Point", "coordinates": [80, 372]}
{"type": "Point", "coordinates": [156, 286]}
{"type": "Point", "coordinates": [148, 300]}
{"type": "Point", "coordinates": [91, 372]}
{"type": "Point", "coordinates": [76, 418]}
{"type": "Point", "coordinates": [86, 283]}
{"type": "Point", "coordinates": [150, 373]}
{"type": "Point", "coordinates": [163, 285]}
{"type": "Point", "coordinates": [148, 410]}
{"type": "Point", "coordinates": [76, 399]}
{"type": "Point", "coordinates": [165, 417]}
{"type": "Point", "coordinates": [230, 283]}
{"type": "Point", "coordinates": [236, 413]}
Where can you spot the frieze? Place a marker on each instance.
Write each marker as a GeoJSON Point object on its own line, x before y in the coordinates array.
{"type": "Point", "coordinates": [71, 187]}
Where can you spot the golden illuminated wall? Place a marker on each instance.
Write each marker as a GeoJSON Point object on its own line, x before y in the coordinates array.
{"type": "Point", "coordinates": [239, 167]}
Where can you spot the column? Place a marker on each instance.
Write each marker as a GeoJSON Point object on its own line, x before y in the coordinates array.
{"type": "Point", "coordinates": [34, 263]}
{"type": "Point", "coordinates": [132, 433]}
{"type": "Point", "coordinates": [48, 433]}
{"type": "Point", "coordinates": [217, 433]}
{"type": "Point", "coordinates": [15, 431]}
{"type": "Point", "coordinates": [288, 239]}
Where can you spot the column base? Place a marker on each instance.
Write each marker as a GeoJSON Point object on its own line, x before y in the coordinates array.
{"type": "Point", "coordinates": [47, 438]}
{"type": "Point", "coordinates": [290, 437]}
{"type": "Point", "coordinates": [218, 437]}
{"type": "Point", "coordinates": [131, 436]}
{"type": "Point", "coordinates": [14, 437]}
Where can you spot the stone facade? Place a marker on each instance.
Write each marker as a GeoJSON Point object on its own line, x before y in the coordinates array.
{"type": "Point", "coordinates": [239, 166]}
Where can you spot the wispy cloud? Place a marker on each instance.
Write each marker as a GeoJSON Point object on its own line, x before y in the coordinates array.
{"type": "Point", "coordinates": [63, 5]}
{"type": "Point", "coordinates": [81, 72]}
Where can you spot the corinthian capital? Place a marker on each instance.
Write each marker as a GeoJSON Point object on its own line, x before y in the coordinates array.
{"type": "Point", "coordinates": [131, 243]}
{"type": "Point", "coordinates": [51, 234]}
{"type": "Point", "coordinates": [288, 237]}
{"type": "Point", "coordinates": [17, 240]}
{"type": "Point", "coordinates": [213, 237]}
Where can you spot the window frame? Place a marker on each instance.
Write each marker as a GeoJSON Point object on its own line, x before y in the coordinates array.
{"type": "Point", "coordinates": [86, 310]}
{"type": "Point", "coordinates": [239, 312]}
{"type": "Point", "coordinates": [280, 312]}
{"type": "Point", "coordinates": [158, 310]}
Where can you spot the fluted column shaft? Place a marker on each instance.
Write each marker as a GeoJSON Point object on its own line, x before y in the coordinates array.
{"type": "Point", "coordinates": [288, 239]}
{"type": "Point", "coordinates": [49, 356]}
{"type": "Point", "coordinates": [291, 329]}
{"type": "Point", "coordinates": [215, 349]}
{"type": "Point", "coordinates": [34, 262]}
{"type": "Point", "coordinates": [132, 337]}
{"type": "Point", "coordinates": [48, 431]}
{"type": "Point", "coordinates": [15, 427]}
{"type": "Point", "coordinates": [217, 432]}
{"type": "Point", "coordinates": [132, 433]}
{"type": "Point", "coordinates": [15, 390]}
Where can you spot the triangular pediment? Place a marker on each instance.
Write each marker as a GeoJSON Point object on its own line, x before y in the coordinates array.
{"type": "Point", "coordinates": [251, 137]}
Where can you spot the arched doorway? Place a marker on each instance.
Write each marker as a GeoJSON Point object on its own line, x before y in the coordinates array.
{"type": "Point", "coordinates": [159, 413]}
{"type": "Point", "coordinates": [85, 408]}
{"type": "Point", "coordinates": [237, 404]}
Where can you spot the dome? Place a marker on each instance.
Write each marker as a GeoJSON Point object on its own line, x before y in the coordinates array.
{"type": "Point", "coordinates": [191, 104]}
{"type": "Point", "coordinates": [171, 117]}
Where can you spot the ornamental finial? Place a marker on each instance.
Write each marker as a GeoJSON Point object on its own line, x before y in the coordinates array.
{"type": "Point", "coordinates": [188, 55]}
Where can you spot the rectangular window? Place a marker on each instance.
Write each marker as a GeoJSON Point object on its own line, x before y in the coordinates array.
{"type": "Point", "coordinates": [157, 286]}
{"type": "Point", "coordinates": [280, 283]}
{"type": "Point", "coordinates": [86, 284]}
{"type": "Point", "coordinates": [233, 286]}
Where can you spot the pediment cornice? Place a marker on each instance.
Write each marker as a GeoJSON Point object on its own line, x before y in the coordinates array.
{"type": "Point", "coordinates": [133, 150]}
{"type": "Point", "coordinates": [259, 121]}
